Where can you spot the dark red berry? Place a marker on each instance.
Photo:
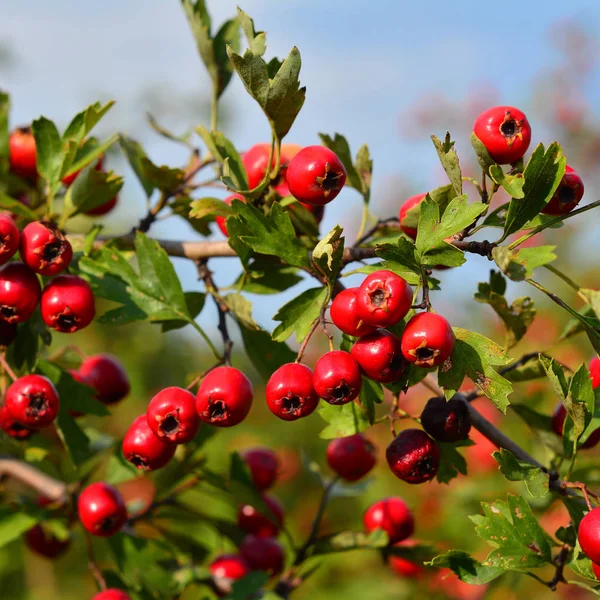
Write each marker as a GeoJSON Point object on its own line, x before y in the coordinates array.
{"type": "Point", "coordinates": [595, 371]}
{"type": "Point", "coordinates": [315, 175]}
{"type": "Point", "coordinates": [264, 467]}
{"type": "Point", "coordinates": [403, 214]}
{"type": "Point", "coordinates": [112, 594]}
{"type": "Point", "coordinates": [344, 314]}
{"type": "Point", "coordinates": [558, 420]}
{"type": "Point", "coordinates": [589, 534]}
{"type": "Point", "coordinates": [101, 509]}
{"type": "Point", "coordinates": [9, 238]}
{"type": "Point", "coordinates": [393, 516]}
{"type": "Point", "coordinates": [226, 569]}
{"type": "Point", "coordinates": [222, 221]}
{"type": "Point", "coordinates": [379, 356]}
{"type": "Point", "coordinates": [143, 449]}
{"type": "Point", "coordinates": [33, 401]}
{"type": "Point", "coordinates": [8, 333]}
{"type": "Point", "coordinates": [172, 415]}
{"type": "Point", "coordinates": [446, 421]}
{"type": "Point", "coordinates": [337, 377]}
{"type": "Point", "coordinates": [12, 427]}
{"type": "Point", "coordinates": [103, 209]}
{"type": "Point", "coordinates": [68, 304]}
{"type": "Point", "coordinates": [403, 566]}
{"type": "Point", "coordinates": [22, 151]}
{"type": "Point", "coordinates": [20, 292]}
{"type": "Point", "coordinates": [413, 456]}
{"type": "Point", "coordinates": [290, 392]}
{"type": "Point", "coordinates": [224, 397]}
{"type": "Point", "coordinates": [383, 299]}
{"type": "Point", "coordinates": [262, 554]}
{"type": "Point", "coordinates": [427, 340]}
{"type": "Point", "coordinates": [69, 179]}
{"type": "Point", "coordinates": [44, 248]}
{"type": "Point", "coordinates": [266, 524]}
{"type": "Point", "coordinates": [44, 543]}
{"type": "Point", "coordinates": [567, 196]}
{"type": "Point", "coordinates": [106, 374]}
{"type": "Point", "coordinates": [505, 132]}
{"type": "Point", "coordinates": [351, 457]}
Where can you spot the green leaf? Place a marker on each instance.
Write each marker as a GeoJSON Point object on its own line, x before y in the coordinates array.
{"type": "Point", "coordinates": [497, 218]}
{"type": "Point", "coordinates": [135, 155]}
{"type": "Point", "coordinates": [452, 462]}
{"type": "Point", "coordinates": [298, 314]}
{"type": "Point", "coordinates": [248, 586]}
{"type": "Point", "coordinates": [76, 442]}
{"type": "Point", "coordinates": [327, 255]}
{"type": "Point", "coordinates": [343, 421]}
{"type": "Point", "coordinates": [209, 206]}
{"type": "Point", "coordinates": [164, 178]}
{"type": "Point", "coordinates": [276, 278]}
{"type": "Point", "coordinates": [531, 369]}
{"type": "Point", "coordinates": [13, 524]}
{"type": "Point", "coordinates": [83, 123]}
{"type": "Point", "coordinates": [467, 568]}
{"type": "Point", "coordinates": [345, 541]}
{"type": "Point", "coordinates": [48, 146]}
{"type": "Point", "coordinates": [536, 481]}
{"type": "Point", "coordinates": [224, 152]}
{"type": "Point", "coordinates": [483, 156]}
{"type": "Point", "coordinates": [520, 264]}
{"type": "Point", "coordinates": [195, 303]}
{"type": "Point", "coordinates": [400, 258]}
{"type": "Point", "coordinates": [4, 132]}
{"type": "Point", "coordinates": [370, 394]}
{"type": "Point", "coordinates": [257, 40]}
{"type": "Point", "coordinates": [91, 188]}
{"type": "Point", "coordinates": [512, 184]}
{"type": "Point", "coordinates": [16, 207]}
{"type": "Point", "coordinates": [441, 196]}
{"type": "Point", "coordinates": [449, 160]}
{"type": "Point", "coordinates": [241, 309]}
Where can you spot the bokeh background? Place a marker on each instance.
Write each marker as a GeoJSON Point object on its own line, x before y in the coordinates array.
{"type": "Point", "coordinates": [388, 74]}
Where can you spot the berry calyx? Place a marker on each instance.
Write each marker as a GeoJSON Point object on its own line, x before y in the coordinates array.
{"type": "Point", "coordinates": [427, 340]}
{"type": "Point", "coordinates": [403, 566]}
{"type": "Point", "coordinates": [261, 524]}
{"type": "Point", "coordinates": [383, 299]}
{"type": "Point", "coordinates": [315, 175]}
{"type": "Point", "coordinates": [264, 467]}
{"type": "Point", "coordinates": [22, 153]}
{"type": "Point", "coordinates": [226, 569]}
{"type": "Point", "coordinates": [106, 374]}
{"type": "Point", "coordinates": [68, 304]}
{"type": "Point", "coordinates": [222, 221]}
{"type": "Point", "coordinates": [393, 516]}
{"type": "Point", "coordinates": [351, 457]}
{"type": "Point", "coordinates": [413, 456]}
{"type": "Point", "coordinates": [505, 132]}
{"type": "Point", "coordinates": [20, 292]}
{"type": "Point", "coordinates": [143, 449]}
{"type": "Point", "coordinates": [344, 314]}
{"type": "Point", "coordinates": [172, 416]}
{"type": "Point", "coordinates": [568, 194]}
{"type": "Point", "coordinates": [44, 248]}
{"type": "Point", "coordinates": [337, 377]}
{"type": "Point", "coordinates": [44, 543]}
{"type": "Point", "coordinates": [112, 594]}
{"type": "Point", "coordinates": [594, 369]}
{"type": "Point", "coordinates": [379, 356]}
{"type": "Point", "coordinates": [589, 535]}
{"type": "Point", "coordinates": [403, 214]}
{"type": "Point", "coordinates": [9, 238]}
{"type": "Point", "coordinates": [263, 554]}
{"type": "Point", "coordinates": [446, 421]}
{"type": "Point", "coordinates": [101, 509]}
{"type": "Point", "coordinates": [12, 427]}
{"type": "Point", "coordinates": [224, 397]}
{"type": "Point", "coordinates": [558, 420]}
{"type": "Point", "coordinates": [290, 393]}
{"type": "Point", "coordinates": [33, 401]}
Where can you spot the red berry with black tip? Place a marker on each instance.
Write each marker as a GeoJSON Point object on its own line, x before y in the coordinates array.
{"type": "Point", "coordinates": [446, 421]}
{"type": "Point", "coordinates": [315, 175]}
{"type": "Point", "coordinates": [558, 420]}
{"type": "Point", "coordinates": [45, 249]}
{"type": "Point", "coordinates": [403, 566]}
{"type": "Point", "coordinates": [568, 194]}
{"type": "Point", "coordinates": [344, 314]}
{"type": "Point", "coordinates": [44, 543]}
{"type": "Point", "coordinates": [589, 535]}
{"type": "Point", "coordinates": [101, 509]}
{"type": "Point", "coordinates": [264, 466]}
{"type": "Point", "coordinates": [33, 401]}
{"type": "Point", "coordinates": [403, 214]}
{"type": "Point", "coordinates": [337, 377]}
{"type": "Point", "coordinates": [290, 392]}
{"type": "Point", "coordinates": [595, 371]}
{"type": "Point", "coordinates": [379, 356]}
{"type": "Point", "coordinates": [263, 554]}
{"type": "Point", "coordinates": [262, 524]}
{"type": "Point", "coordinates": [222, 221]}
{"type": "Point", "coordinates": [9, 238]}
{"type": "Point", "coordinates": [393, 516]}
{"type": "Point", "coordinates": [143, 449]}
{"type": "Point", "coordinates": [224, 397]}
{"type": "Point", "coordinates": [505, 132]}
{"type": "Point", "coordinates": [427, 340]}
{"type": "Point", "coordinates": [112, 594]}
{"type": "Point", "coordinates": [20, 292]}
{"type": "Point", "coordinates": [8, 333]}
{"type": "Point", "coordinates": [351, 457]}
{"type": "Point", "coordinates": [226, 569]}
{"type": "Point", "coordinates": [106, 374]}
{"type": "Point", "coordinates": [12, 427]}
{"type": "Point", "coordinates": [172, 415]}
{"type": "Point", "coordinates": [383, 299]}
{"type": "Point", "coordinates": [22, 153]}
{"type": "Point", "coordinates": [68, 304]}
{"type": "Point", "coordinates": [413, 456]}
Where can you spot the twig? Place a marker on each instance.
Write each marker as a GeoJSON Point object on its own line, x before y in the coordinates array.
{"type": "Point", "coordinates": [6, 366]}
{"type": "Point", "coordinates": [560, 561]}
{"type": "Point", "coordinates": [43, 484]}
{"type": "Point", "coordinates": [369, 233]}
{"type": "Point", "coordinates": [202, 375]}
{"type": "Point", "coordinates": [92, 566]}
{"type": "Point", "coordinates": [313, 328]}
{"type": "Point", "coordinates": [582, 487]}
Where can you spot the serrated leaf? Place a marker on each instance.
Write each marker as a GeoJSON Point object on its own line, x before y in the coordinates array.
{"type": "Point", "coordinates": [209, 207]}
{"type": "Point", "coordinates": [483, 156]}
{"type": "Point", "coordinates": [497, 218]}
{"type": "Point", "coordinates": [135, 155]}
{"type": "Point", "coordinates": [535, 479]}
{"type": "Point", "coordinates": [442, 196]}
{"type": "Point", "coordinates": [449, 160]}
{"type": "Point", "coordinates": [371, 393]}
{"type": "Point", "coordinates": [275, 278]}
{"type": "Point", "coordinates": [531, 369]}
{"type": "Point", "coordinates": [467, 568]}
{"type": "Point", "coordinates": [241, 309]}
{"type": "Point", "coordinates": [257, 40]}
{"type": "Point", "coordinates": [452, 462]}
{"type": "Point", "coordinates": [16, 207]}
{"type": "Point", "coordinates": [327, 255]}
{"type": "Point", "coordinates": [402, 256]}
{"type": "Point", "coordinates": [195, 303]}
{"type": "Point", "coordinates": [345, 541]}
{"type": "Point", "coordinates": [343, 421]}
{"type": "Point", "coordinates": [224, 152]}
{"type": "Point", "coordinates": [48, 146]}
{"type": "Point", "coordinates": [91, 188]}
{"type": "Point", "coordinates": [512, 184]}
{"type": "Point", "coordinates": [520, 264]}
{"type": "Point", "coordinates": [164, 178]}
{"type": "Point", "coordinates": [354, 178]}
{"type": "Point", "coordinates": [298, 314]}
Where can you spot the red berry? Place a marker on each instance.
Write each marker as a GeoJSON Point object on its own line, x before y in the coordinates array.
{"type": "Point", "coordinates": [256, 162]}
{"type": "Point", "coordinates": [351, 457]}
{"type": "Point", "coordinates": [69, 179]}
{"type": "Point", "coordinates": [315, 175]}
{"type": "Point", "coordinates": [567, 196]}
{"type": "Point", "coordinates": [262, 554]}
{"type": "Point", "coordinates": [221, 221]}
{"type": "Point", "coordinates": [224, 397]}
{"type": "Point", "coordinates": [265, 524]}
{"type": "Point", "coordinates": [8, 333]}
{"type": "Point", "coordinates": [379, 356]}
{"type": "Point", "coordinates": [393, 516]}
{"type": "Point", "coordinates": [172, 415]}
{"type": "Point", "coordinates": [143, 449]}
{"type": "Point", "coordinates": [589, 534]}
{"type": "Point", "coordinates": [228, 568]}
{"type": "Point", "coordinates": [344, 314]}
{"type": "Point", "coordinates": [290, 392]}
{"type": "Point", "coordinates": [105, 373]}
{"type": "Point", "coordinates": [413, 456]}
{"type": "Point", "coordinates": [103, 209]}
{"type": "Point", "coordinates": [595, 371]}
{"type": "Point", "coordinates": [264, 467]}
{"type": "Point", "coordinates": [427, 340]}
{"type": "Point", "coordinates": [68, 304]}
{"type": "Point", "coordinates": [404, 567]}
{"type": "Point", "coordinates": [558, 420]}
{"type": "Point", "coordinates": [337, 377]}
{"type": "Point", "coordinates": [12, 427]}
{"type": "Point", "coordinates": [446, 421]}
{"type": "Point", "coordinates": [23, 156]}
{"type": "Point", "coordinates": [408, 204]}
{"type": "Point", "coordinates": [505, 132]}
{"type": "Point", "coordinates": [101, 509]}
{"type": "Point", "coordinates": [383, 299]}
{"type": "Point", "coordinates": [596, 569]}
{"type": "Point", "coordinates": [45, 543]}
{"type": "Point", "coordinates": [9, 238]}
{"type": "Point", "coordinates": [44, 248]}
{"type": "Point", "coordinates": [20, 292]}
{"type": "Point", "coordinates": [112, 594]}
{"type": "Point", "coordinates": [32, 400]}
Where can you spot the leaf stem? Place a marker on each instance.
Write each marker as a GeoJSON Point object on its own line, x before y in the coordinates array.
{"type": "Point", "coordinates": [92, 565]}
{"type": "Point", "coordinates": [363, 224]}
{"type": "Point", "coordinates": [6, 366]}
{"type": "Point", "coordinates": [214, 109]}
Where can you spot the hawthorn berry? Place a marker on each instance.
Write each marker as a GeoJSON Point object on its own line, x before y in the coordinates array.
{"type": "Point", "coordinates": [20, 292]}
{"type": "Point", "coordinates": [290, 392]}
{"type": "Point", "coordinates": [103, 209]}
{"type": "Point", "coordinates": [446, 421]}
{"type": "Point", "coordinates": [143, 449]}
{"type": "Point", "coordinates": [351, 457]}
{"type": "Point", "coordinates": [45, 249]}
{"type": "Point", "coordinates": [44, 543]}
{"type": "Point", "coordinates": [22, 152]}
{"type": "Point", "coordinates": [256, 163]}
{"type": "Point", "coordinates": [315, 175]}
{"type": "Point", "coordinates": [383, 299]}
{"type": "Point", "coordinates": [12, 427]}
{"type": "Point", "coordinates": [595, 371]}
{"type": "Point", "coordinates": [379, 356]}
{"type": "Point", "coordinates": [172, 416]}
{"type": "Point", "coordinates": [222, 221]}
{"type": "Point", "coordinates": [224, 397]}
{"type": "Point", "coordinates": [261, 524]}
{"type": "Point", "coordinates": [112, 594]}
{"type": "Point", "coordinates": [403, 566]}
{"type": "Point", "coordinates": [9, 238]}
{"type": "Point", "coordinates": [505, 132]}
{"type": "Point", "coordinates": [106, 374]}
{"type": "Point", "coordinates": [33, 401]}
{"type": "Point", "coordinates": [408, 204]}
{"type": "Point", "coordinates": [337, 377]}
{"type": "Point", "coordinates": [264, 467]}
{"type": "Point", "coordinates": [568, 194]}
{"type": "Point", "coordinates": [263, 554]}
{"type": "Point", "coordinates": [226, 569]}
{"type": "Point", "coordinates": [558, 420]}
{"type": "Point", "coordinates": [596, 569]}
{"type": "Point", "coordinates": [101, 509]}
{"type": "Point", "coordinates": [589, 534]}
{"type": "Point", "coordinates": [393, 516]}
{"type": "Point", "coordinates": [8, 333]}
{"type": "Point", "coordinates": [413, 456]}
{"type": "Point", "coordinates": [68, 304]}
{"type": "Point", "coordinates": [427, 340]}
{"type": "Point", "coordinates": [344, 314]}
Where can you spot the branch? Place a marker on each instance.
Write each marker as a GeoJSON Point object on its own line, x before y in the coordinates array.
{"type": "Point", "coordinates": [43, 484]}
